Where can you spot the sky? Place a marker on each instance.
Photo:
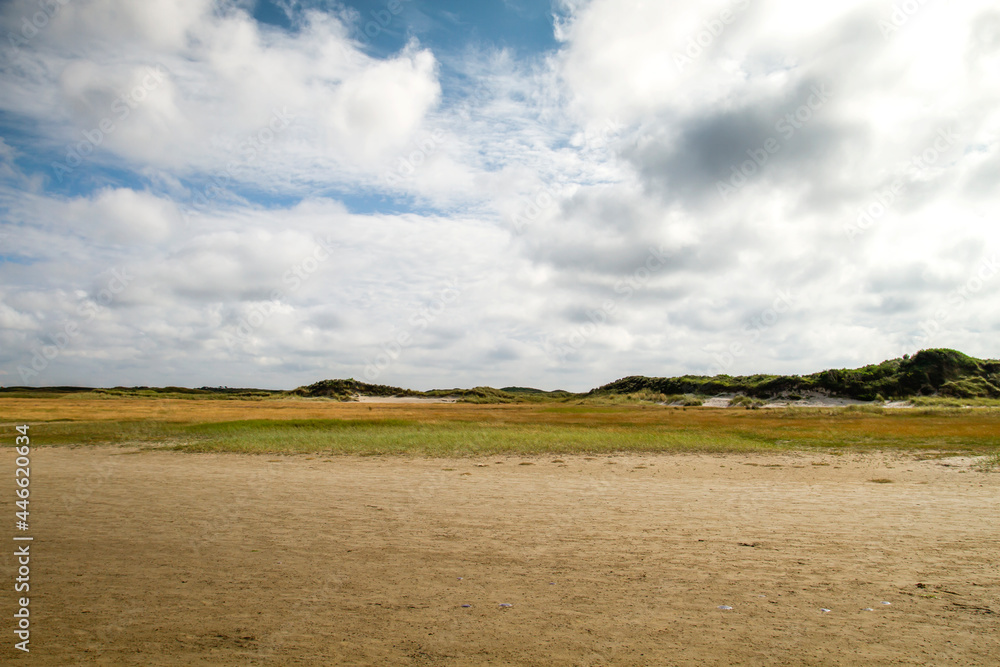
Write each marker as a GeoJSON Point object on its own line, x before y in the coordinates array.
{"type": "Point", "coordinates": [437, 193]}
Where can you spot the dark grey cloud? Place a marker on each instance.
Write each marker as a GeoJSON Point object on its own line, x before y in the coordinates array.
{"type": "Point", "coordinates": [785, 137]}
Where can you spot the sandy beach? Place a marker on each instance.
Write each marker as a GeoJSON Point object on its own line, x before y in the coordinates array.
{"type": "Point", "coordinates": [165, 558]}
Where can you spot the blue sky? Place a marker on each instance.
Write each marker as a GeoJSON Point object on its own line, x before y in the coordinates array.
{"type": "Point", "coordinates": [452, 30]}
{"type": "Point", "coordinates": [556, 194]}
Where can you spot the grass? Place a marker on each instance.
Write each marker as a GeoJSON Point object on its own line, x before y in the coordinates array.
{"type": "Point", "coordinates": [643, 397]}
{"type": "Point", "coordinates": [935, 371]}
{"type": "Point", "coordinates": [748, 402]}
{"type": "Point", "coordinates": [367, 437]}
{"type": "Point", "coordinates": [97, 432]}
{"type": "Point", "coordinates": [990, 462]}
{"type": "Point", "coordinates": [298, 425]}
{"type": "Point", "coordinates": [948, 402]}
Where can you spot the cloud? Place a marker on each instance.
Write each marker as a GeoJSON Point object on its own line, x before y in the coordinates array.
{"type": "Point", "coordinates": [378, 111]}
{"type": "Point", "coordinates": [193, 84]}
{"type": "Point", "coordinates": [285, 205]}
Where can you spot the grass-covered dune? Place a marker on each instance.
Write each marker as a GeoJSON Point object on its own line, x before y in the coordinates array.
{"type": "Point", "coordinates": [935, 372]}
{"type": "Point", "coordinates": [949, 376]}
{"type": "Point", "coordinates": [345, 390]}
{"type": "Point", "coordinates": [940, 372]}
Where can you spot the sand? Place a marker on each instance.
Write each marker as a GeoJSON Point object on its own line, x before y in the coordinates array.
{"type": "Point", "coordinates": [165, 558]}
{"type": "Point", "coordinates": [810, 399]}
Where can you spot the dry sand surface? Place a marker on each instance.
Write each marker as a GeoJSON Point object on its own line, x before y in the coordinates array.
{"type": "Point", "coordinates": [162, 558]}
{"type": "Point", "coordinates": [811, 399]}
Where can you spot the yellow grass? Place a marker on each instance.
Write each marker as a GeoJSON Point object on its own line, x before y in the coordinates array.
{"type": "Point", "coordinates": [299, 425]}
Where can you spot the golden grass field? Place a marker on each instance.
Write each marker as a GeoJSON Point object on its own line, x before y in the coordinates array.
{"type": "Point", "coordinates": [310, 425]}
{"type": "Point", "coordinates": [309, 532]}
